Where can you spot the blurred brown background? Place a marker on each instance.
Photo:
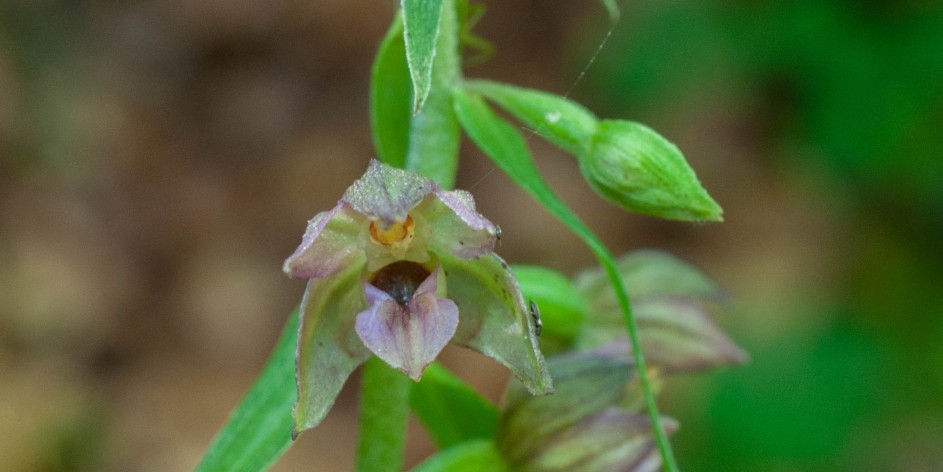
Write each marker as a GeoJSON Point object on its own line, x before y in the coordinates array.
{"type": "Point", "coordinates": [158, 160]}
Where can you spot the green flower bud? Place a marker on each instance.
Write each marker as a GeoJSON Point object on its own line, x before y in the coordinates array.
{"type": "Point", "coordinates": [634, 167]}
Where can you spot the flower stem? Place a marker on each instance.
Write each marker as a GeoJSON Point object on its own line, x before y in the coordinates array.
{"type": "Point", "coordinates": [433, 152]}
{"type": "Point", "coordinates": [661, 439]}
{"type": "Point", "coordinates": [384, 405]}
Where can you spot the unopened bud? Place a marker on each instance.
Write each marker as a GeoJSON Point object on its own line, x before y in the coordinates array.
{"type": "Point", "coordinates": [636, 168]}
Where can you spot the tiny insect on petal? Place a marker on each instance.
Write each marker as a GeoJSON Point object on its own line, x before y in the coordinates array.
{"type": "Point", "coordinates": [535, 314]}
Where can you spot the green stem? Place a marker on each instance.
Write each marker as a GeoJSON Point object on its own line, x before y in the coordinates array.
{"type": "Point", "coordinates": [384, 405]}
{"type": "Point", "coordinates": [612, 272]}
{"type": "Point", "coordinates": [432, 152]}
{"type": "Point", "coordinates": [507, 148]}
{"type": "Point", "coordinates": [661, 438]}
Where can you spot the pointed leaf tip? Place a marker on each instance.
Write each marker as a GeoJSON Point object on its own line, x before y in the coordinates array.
{"type": "Point", "coordinates": [420, 30]}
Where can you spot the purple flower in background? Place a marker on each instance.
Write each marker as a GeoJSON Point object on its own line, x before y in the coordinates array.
{"type": "Point", "coordinates": [398, 269]}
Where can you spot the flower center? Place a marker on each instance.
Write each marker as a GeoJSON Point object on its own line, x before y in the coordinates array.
{"type": "Point", "coordinates": [396, 233]}
{"type": "Point", "coordinates": [400, 280]}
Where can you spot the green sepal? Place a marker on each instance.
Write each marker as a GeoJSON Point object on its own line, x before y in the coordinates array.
{"type": "Point", "coordinates": [328, 349]}
{"type": "Point", "coordinates": [672, 301]}
{"type": "Point", "coordinates": [390, 98]}
{"type": "Point", "coordinates": [494, 319]}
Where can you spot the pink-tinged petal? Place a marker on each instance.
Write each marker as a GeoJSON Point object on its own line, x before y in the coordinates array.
{"type": "Point", "coordinates": [494, 318]}
{"type": "Point", "coordinates": [408, 337]}
{"type": "Point", "coordinates": [329, 244]}
{"type": "Point", "coordinates": [386, 193]}
{"type": "Point", "coordinates": [672, 301]}
{"type": "Point", "coordinates": [610, 440]}
{"type": "Point", "coordinates": [457, 228]}
{"type": "Point", "coordinates": [328, 348]}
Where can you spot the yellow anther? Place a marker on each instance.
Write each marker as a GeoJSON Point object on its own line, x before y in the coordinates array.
{"type": "Point", "coordinates": [397, 232]}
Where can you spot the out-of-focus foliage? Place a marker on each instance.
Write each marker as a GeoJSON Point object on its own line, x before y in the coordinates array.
{"type": "Point", "coordinates": [848, 95]}
{"type": "Point", "coordinates": [857, 82]}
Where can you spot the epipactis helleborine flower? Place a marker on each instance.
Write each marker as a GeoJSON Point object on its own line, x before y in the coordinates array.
{"type": "Point", "coordinates": [595, 421]}
{"type": "Point", "coordinates": [397, 269]}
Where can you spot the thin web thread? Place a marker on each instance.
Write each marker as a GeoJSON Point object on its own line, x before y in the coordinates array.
{"type": "Point", "coordinates": [532, 132]}
{"type": "Point", "coordinates": [661, 439]}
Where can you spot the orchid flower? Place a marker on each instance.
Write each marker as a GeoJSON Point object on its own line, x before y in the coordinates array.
{"type": "Point", "coordinates": [398, 269]}
{"type": "Point", "coordinates": [595, 421]}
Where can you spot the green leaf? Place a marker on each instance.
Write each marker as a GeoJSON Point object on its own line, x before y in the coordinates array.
{"type": "Point", "coordinates": [384, 400]}
{"type": "Point", "coordinates": [634, 167]}
{"type": "Point", "coordinates": [434, 132]}
{"type": "Point", "coordinates": [472, 456]}
{"type": "Point", "coordinates": [259, 430]}
{"type": "Point", "coordinates": [451, 411]}
{"type": "Point", "coordinates": [420, 29]}
{"type": "Point", "coordinates": [505, 146]}
{"type": "Point", "coordinates": [562, 122]}
{"type": "Point", "coordinates": [562, 307]}
{"type": "Point", "coordinates": [390, 96]}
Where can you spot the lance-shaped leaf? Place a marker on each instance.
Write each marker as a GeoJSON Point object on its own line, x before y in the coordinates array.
{"type": "Point", "coordinates": [433, 130]}
{"type": "Point", "coordinates": [390, 98]}
{"type": "Point", "coordinates": [259, 429]}
{"type": "Point", "coordinates": [450, 410]}
{"type": "Point", "coordinates": [672, 301]}
{"type": "Point", "coordinates": [564, 123]}
{"type": "Point", "coordinates": [420, 30]}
